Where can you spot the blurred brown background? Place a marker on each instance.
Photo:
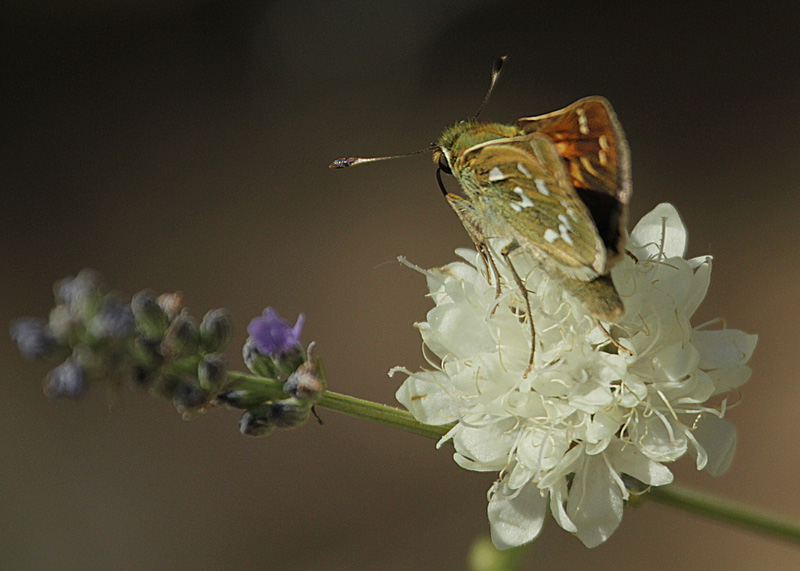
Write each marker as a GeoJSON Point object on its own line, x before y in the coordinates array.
{"type": "Point", "coordinates": [184, 145]}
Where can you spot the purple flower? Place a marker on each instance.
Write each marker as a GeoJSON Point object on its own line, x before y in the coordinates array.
{"type": "Point", "coordinates": [273, 335]}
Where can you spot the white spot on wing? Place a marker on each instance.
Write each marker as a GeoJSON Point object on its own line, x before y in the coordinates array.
{"type": "Point", "coordinates": [525, 201]}
{"type": "Point", "coordinates": [521, 168]}
{"type": "Point", "coordinates": [564, 232]}
{"type": "Point", "coordinates": [583, 124]}
{"type": "Point", "coordinates": [496, 174]}
{"type": "Point", "coordinates": [550, 235]}
{"type": "Point", "coordinates": [516, 207]}
{"type": "Point", "coordinates": [541, 186]}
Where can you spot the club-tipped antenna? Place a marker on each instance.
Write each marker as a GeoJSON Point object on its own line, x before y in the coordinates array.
{"type": "Point", "coordinates": [353, 161]}
{"type": "Point", "coordinates": [496, 68]}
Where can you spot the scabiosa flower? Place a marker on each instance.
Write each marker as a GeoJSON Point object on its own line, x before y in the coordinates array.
{"type": "Point", "coordinates": [590, 415]}
{"type": "Point", "coordinates": [273, 335]}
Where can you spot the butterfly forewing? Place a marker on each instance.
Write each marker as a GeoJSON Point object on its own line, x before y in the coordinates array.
{"type": "Point", "coordinates": [526, 193]}
{"type": "Point", "coordinates": [589, 138]}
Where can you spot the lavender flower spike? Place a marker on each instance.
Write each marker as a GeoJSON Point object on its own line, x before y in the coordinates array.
{"type": "Point", "coordinates": [273, 335]}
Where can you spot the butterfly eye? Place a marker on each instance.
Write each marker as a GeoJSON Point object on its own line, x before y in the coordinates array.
{"type": "Point", "coordinates": [444, 165]}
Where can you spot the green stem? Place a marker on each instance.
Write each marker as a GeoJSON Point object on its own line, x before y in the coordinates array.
{"type": "Point", "coordinates": [726, 511]}
{"type": "Point", "coordinates": [387, 415]}
{"type": "Point", "coordinates": [701, 503]}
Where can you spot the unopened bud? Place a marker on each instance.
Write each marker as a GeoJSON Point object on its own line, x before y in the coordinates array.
{"type": "Point", "coordinates": [182, 338]}
{"type": "Point", "coordinates": [113, 320]}
{"type": "Point", "coordinates": [212, 372]}
{"type": "Point", "coordinates": [258, 363]}
{"type": "Point", "coordinates": [188, 398]}
{"type": "Point", "coordinates": [305, 384]}
{"type": "Point", "coordinates": [216, 330]}
{"type": "Point", "coordinates": [33, 337]}
{"type": "Point", "coordinates": [78, 292]}
{"type": "Point", "coordinates": [67, 380]}
{"type": "Point", "coordinates": [255, 424]}
{"type": "Point", "coordinates": [250, 393]}
{"type": "Point", "coordinates": [171, 303]}
{"type": "Point", "coordinates": [151, 319]}
{"type": "Point", "coordinates": [63, 323]}
{"type": "Point", "coordinates": [289, 413]}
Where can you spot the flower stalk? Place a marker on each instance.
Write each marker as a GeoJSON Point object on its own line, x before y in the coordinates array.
{"type": "Point", "coordinates": [700, 503]}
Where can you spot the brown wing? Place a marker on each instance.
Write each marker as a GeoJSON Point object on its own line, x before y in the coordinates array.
{"type": "Point", "coordinates": [590, 139]}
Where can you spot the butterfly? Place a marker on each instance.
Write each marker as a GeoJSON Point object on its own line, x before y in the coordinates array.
{"type": "Point", "coordinates": [556, 186]}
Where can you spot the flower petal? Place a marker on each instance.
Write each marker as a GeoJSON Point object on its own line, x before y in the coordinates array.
{"type": "Point", "coordinates": [515, 519]}
{"type": "Point", "coordinates": [423, 396]}
{"type": "Point", "coordinates": [718, 437]}
{"type": "Point", "coordinates": [595, 502]}
{"type": "Point", "coordinates": [723, 348]}
{"type": "Point", "coordinates": [660, 231]}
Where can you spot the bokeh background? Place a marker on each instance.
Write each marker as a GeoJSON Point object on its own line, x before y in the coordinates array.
{"type": "Point", "coordinates": [183, 145]}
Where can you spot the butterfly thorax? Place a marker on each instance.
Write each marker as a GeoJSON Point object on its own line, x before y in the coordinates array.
{"type": "Point", "coordinates": [464, 135]}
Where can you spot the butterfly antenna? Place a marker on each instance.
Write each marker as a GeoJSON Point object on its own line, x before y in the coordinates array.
{"type": "Point", "coordinates": [353, 161]}
{"type": "Point", "coordinates": [496, 68]}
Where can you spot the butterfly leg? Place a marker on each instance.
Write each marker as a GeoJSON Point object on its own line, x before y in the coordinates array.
{"type": "Point", "coordinates": [466, 213]}
{"type": "Point", "coordinates": [506, 253]}
{"type": "Point", "coordinates": [611, 339]}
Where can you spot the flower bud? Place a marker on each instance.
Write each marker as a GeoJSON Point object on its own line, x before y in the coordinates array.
{"type": "Point", "coordinates": [212, 372]}
{"type": "Point", "coordinates": [289, 413]}
{"type": "Point", "coordinates": [79, 292]}
{"type": "Point", "coordinates": [305, 384]}
{"type": "Point", "coordinates": [216, 330]}
{"type": "Point", "coordinates": [113, 320]}
{"type": "Point", "coordinates": [182, 338]}
{"type": "Point", "coordinates": [64, 324]}
{"type": "Point", "coordinates": [255, 424]}
{"type": "Point", "coordinates": [171, 303]}
{"type": "Point", "coordinates": [258, 364]}
{"type": "Point", "coordinates": [67, 380]}
{"type": "Point", "coordinates": [188, 398]}
{"type": "Point", "coordinates": [250, 393]}
{"type": "Point", "coordinates": [33, 337]}
{"type": "Point", "coordinates": [151, 319]}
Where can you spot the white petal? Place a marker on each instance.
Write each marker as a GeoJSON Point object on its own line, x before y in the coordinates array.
{"type": "Point", "coordinates": [490, 442]}
{"type": "Point", "coordinates": [662, 225]}
{"type": "Point", "coordinates": [676, 361]}
{"type": "Point", "coordinates": [628, 460]}
{"type": "Point", "coordinates": [516, 519]}
{"type": "Point", "coordinates": [723, 348]}
{"type": "Point", "coordinates": [590, 397]}
{"type": "Point", "coordinates": [729, 379]}
{"type": "Point", "coordinates": [658, 439]}
{"type": "Point", "coordinates": [558, 496]}
{"type": "Point", "coordinates": [718, 437]}
{"type": "Point", "coordinates": [461, 331]}
{"type": "Point", "coordinates": [700, 281]}
{"type": "Point", "coordinates": [422, 394]}
{"type": "Point", "coordinates": [595, 502]}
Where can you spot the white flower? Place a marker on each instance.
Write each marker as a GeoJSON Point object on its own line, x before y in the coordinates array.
{"type": "Point", "coordinates": [588, 417]}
